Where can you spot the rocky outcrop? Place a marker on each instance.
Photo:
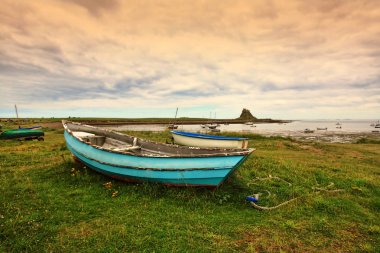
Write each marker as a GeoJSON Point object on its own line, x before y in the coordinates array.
{"type": "Point", "coordinates": [246, 115]}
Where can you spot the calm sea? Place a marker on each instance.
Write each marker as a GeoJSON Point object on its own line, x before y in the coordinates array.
{"type": "Point", "coordinates": [293, 128]}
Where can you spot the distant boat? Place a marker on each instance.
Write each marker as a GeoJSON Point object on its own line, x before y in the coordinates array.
{"type": "Point", "coordinates": [29, 128]}
{"type": "Point", "coordinates": [377, 125]}
{"type": "Point", "coordinates": [172, 126]}
{"type": "Point", "coordinates": [130, 158]}
{"type": "Point", "coordinates": [339, 127]}
{"type": "Point", "coordinates": [308, 131]}
{"type": "Point", "coordinates": [204, 140]}
{"type": "Point", "coordinates": [26, 134]}
{"type": "Point", "coordinates": [248, 123]}
{"type": "Point", "coordinates": [338, 124]}
{"type": "Point", "coordinates": [212, 126]}
{"type": "Point", "coordinates": [321, 128]}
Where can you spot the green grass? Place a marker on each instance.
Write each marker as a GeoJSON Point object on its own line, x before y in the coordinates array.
{"type": "Point", "coordinates": [48, 203]}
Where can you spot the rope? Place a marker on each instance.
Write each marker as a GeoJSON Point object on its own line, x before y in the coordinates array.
{"type": "Point", "coordinates": [266, 208]}
{"type": "Point", "coordinates": [270, 177]}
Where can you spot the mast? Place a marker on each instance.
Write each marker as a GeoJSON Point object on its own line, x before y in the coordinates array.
{"type": "Point", "coordinates": [16, 111]}
{"type": "Point", "coordinates": [176, 113]}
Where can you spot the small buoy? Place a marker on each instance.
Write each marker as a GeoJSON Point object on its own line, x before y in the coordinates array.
{"type": "Point", "coordinates": [251, 199]}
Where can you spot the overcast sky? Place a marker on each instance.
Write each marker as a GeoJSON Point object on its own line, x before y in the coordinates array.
{"type": "Point", "coordinates": [280, 59]}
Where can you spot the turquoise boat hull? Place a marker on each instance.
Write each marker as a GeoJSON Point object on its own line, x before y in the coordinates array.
{"type": "Point", "coordinates": [22, 134]}
{"type": "Point", "coordinates": [187, 170]}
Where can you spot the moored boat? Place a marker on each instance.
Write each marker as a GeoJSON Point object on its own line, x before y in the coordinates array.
{"type": "Point", "coordinates": [205, 140]}
{"type": "Point", "coordinates": [133, 159]}
{"type": "Point", "coordinates": [212, 126]}
{"type": "Point", "coordinates": [308, 131]}
{"type": "Point", "coordinates": [321, 128]}
{"type": "Point", "coordinates": [172, 126]}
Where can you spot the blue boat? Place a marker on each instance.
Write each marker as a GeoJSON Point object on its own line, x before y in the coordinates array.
{"type": "Point", "coordinates": [208, 141]}
{"type": "Point", "coordinates": [29, 128]}
{"type": "Point", "coordinates": [134, 159]}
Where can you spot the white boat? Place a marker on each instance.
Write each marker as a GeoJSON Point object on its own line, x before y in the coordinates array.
{"type": "Point", "coordinates": [172, 126]}
{"type": "Point", "coordinates": [212, 126]}
{"type": "Point", "coordinates": [210, 141]}
{"type": "Point", "coordinates": [248, 123]}
{"type": "Point", "coordinates": [377, 125]}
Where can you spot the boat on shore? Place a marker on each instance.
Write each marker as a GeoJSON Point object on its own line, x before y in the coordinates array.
{"type": "Point", "coordinates": [23, 134]}
{"type": "Point", "coordinates": [208, 141]}
{"type": "Point", "coordinates": [134, 159]}
{"type": "Point", "coordinates": [29, 128]}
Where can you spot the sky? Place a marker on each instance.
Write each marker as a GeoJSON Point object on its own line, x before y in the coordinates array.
{"type": "Point", "coordinates": [288, 59]}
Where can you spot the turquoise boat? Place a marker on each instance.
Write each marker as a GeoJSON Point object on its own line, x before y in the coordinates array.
{"type": "Point", "coordinates": [27, 134]}
{"type": "Point", "coordinates": [134, 159]}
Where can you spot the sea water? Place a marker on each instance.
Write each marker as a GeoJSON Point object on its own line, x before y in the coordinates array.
{"type": "Point", "coordinates": [298, 126]}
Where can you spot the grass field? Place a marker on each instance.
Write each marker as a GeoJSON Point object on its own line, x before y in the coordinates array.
{"type": "Point", "coordinates": [48, 203]}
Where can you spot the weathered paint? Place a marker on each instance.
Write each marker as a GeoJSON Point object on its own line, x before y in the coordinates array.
{"type": "Point", "coordinates": [208, 141]}
{"type": "Point", "coordinates": [184, 171]}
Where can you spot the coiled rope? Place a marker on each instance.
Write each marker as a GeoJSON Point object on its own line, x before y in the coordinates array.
{"type": "Point", "coordinates": [255, 197]}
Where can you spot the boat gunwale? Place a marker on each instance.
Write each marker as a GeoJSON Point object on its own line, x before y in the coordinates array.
{"type": "Point", "coordinates": [225, 151]}
{"type": "Point", "coordinates": [208, 137]}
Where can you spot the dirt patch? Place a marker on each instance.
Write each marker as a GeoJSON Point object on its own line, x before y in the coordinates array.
{"type": "Point", "coordinates": [54, 125]}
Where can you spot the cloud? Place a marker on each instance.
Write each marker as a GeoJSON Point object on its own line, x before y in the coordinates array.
{"type": "Point", "coordinates": [95, 7]}
{"type": "Point", "coordinates": [277, 58]}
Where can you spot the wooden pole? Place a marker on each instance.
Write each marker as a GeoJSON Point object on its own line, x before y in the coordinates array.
{"type": "Point", "coordinates": [16, 111]}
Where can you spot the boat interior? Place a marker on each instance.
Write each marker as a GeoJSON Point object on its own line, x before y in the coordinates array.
{"type": "Point", "coordinates": [123, 143]}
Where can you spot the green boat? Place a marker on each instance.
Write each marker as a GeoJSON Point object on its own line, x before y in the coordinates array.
{"type": "Point", "coordinates": [26, 134]}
